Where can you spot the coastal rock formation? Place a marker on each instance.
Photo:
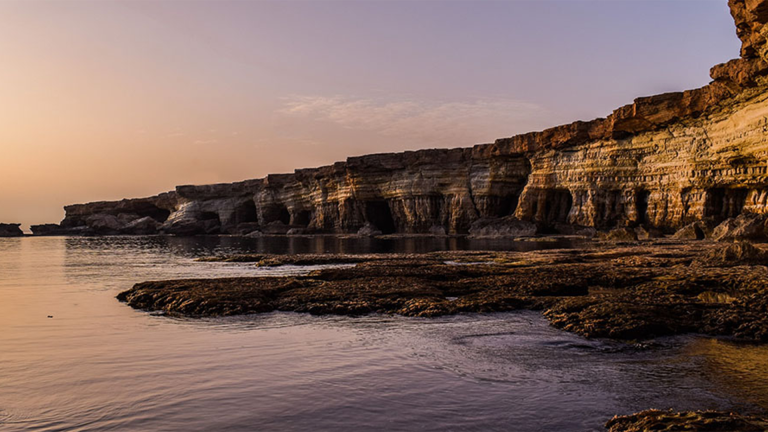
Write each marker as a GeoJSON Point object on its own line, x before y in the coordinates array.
{"type": "Point", "coordinates": [10, 230]}
{"type": "Point", "coordinates": [662, 162]}
{"type": "Point", "coordinates": [632, 292]}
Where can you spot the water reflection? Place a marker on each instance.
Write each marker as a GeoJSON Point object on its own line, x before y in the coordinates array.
{"type": "Point", "coordinates": [739, 368]}
{"type": "Point", "coordinates": [207, 245]}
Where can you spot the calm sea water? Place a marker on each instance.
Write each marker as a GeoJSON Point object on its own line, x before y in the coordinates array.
{"type": "Point", "coordinates": [74, 358]}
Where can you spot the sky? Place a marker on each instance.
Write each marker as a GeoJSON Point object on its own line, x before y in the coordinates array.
{"type": "Point", "coordinates": [110, 100]}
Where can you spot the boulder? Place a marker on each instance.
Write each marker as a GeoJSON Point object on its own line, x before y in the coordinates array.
{"type": "Point", "coordinates": [104, 223]}
{"type": "Point", "coordinates": [141, 226]}
{"type": "Point", "coordinates": [10, 230]}
{"type": "Point", "coordinates": [369, 230]}
{"type": "Point", "coordinates": [620, 235]}
{"type": "Point", "coordinates": [742, 227]}
{"type": "Point", "coordinates": [508, 226]}
{"type": "Point", "coordinates": [698, 230]}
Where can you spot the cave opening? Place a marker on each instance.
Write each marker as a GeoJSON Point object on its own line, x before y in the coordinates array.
{"type": "Point", "coordinates": [245, 212]}
{"type": "Point", "coordinates": [211, 222]}
{"type": "Point", "coordinates": [156, 213]}
{"type": "Point", "coordinates": [642, 197]}
{"type": "Point", "coordinates": [506, 205]}
{"type": "Point", "coordinates": [302, 217]}
{"type": "Point", "coordinates": [724, 203]}
{"type": "Point", "coordinates": [379, 214]}
{"type": "Point", "coordinates": [557, 205]}
{"type": "Point", "coordinates": [283, 215]}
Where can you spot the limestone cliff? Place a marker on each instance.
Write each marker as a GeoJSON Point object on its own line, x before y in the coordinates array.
{"type": "Point", "coordinates": [662, 161]}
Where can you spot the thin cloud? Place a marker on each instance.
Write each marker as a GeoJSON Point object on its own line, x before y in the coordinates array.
{"type": "Point", "coordinates": [428, 122]}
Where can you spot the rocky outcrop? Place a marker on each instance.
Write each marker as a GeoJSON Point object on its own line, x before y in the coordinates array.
{"type": "Point", "coordinates": [713, 421]}
{"type": "Point", "coordinates": [662, 162]}
{"type": "Point", "coordinates": [10, 230]}
{"type": "Point", "coordinates": [128, 216]}
{"type": "Point", "coordinates": [632, 292]}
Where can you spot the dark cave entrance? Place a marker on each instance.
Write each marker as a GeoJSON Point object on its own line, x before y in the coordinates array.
{"type": "Point", "coordinates": [211, 222]}
{"type": "Point", "coordinates": [557, 205]}
{"type": "Point", "coordinates": [245, 212]}
{"type": "Point", "coordinates": [283, 215]}
{"type": "Point", "coordinates": [642, 197]}
{"type": "Point", "coordinates": [302, 217]}
{"type": "Point", "coordinates": [379, 214]}
{"type": "Point", "coordinates": [723, 203]}
{"type": "Point", "coordinates": [506, 205]}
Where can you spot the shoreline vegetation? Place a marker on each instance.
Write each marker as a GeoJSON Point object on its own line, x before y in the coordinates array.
{"type": "Point", "coordinates": [627, 291]}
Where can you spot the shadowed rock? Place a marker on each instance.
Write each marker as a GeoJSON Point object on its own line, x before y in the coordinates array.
{"type": "Point", "coordinates": [10, 230]}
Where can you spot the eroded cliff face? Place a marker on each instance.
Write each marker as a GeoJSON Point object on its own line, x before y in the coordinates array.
{"type": "Point", "coordinates": [662, 161]}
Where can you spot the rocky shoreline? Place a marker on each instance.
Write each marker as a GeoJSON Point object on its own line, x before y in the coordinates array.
{"type": "Point", "coordinates": [629, 291]}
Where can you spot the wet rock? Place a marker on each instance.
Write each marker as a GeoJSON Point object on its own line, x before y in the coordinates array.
{"type": "Point", "coordinates": [10, 230]}
{"type": "Point", "coordinates": [715, 421]}
{"type": "Point", "coordinates": [502, 227]}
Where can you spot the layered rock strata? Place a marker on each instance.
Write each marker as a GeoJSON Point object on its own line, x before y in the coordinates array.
{"type": "Point", "coordinates": [663, 161]}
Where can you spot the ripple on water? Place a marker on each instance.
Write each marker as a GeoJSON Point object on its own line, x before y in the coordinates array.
{"type": "Point", "coordinates": [100, 365]}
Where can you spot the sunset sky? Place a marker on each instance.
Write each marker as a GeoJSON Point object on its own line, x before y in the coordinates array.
{"type": "Point", "coordinates": [106, 100]}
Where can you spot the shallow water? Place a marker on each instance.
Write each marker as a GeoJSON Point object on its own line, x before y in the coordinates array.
{"type": "Point", "coordinates": [97, 364]}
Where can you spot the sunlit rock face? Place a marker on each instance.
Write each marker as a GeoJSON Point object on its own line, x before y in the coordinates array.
{"type": "Point", "coordinates": [663, 161]}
